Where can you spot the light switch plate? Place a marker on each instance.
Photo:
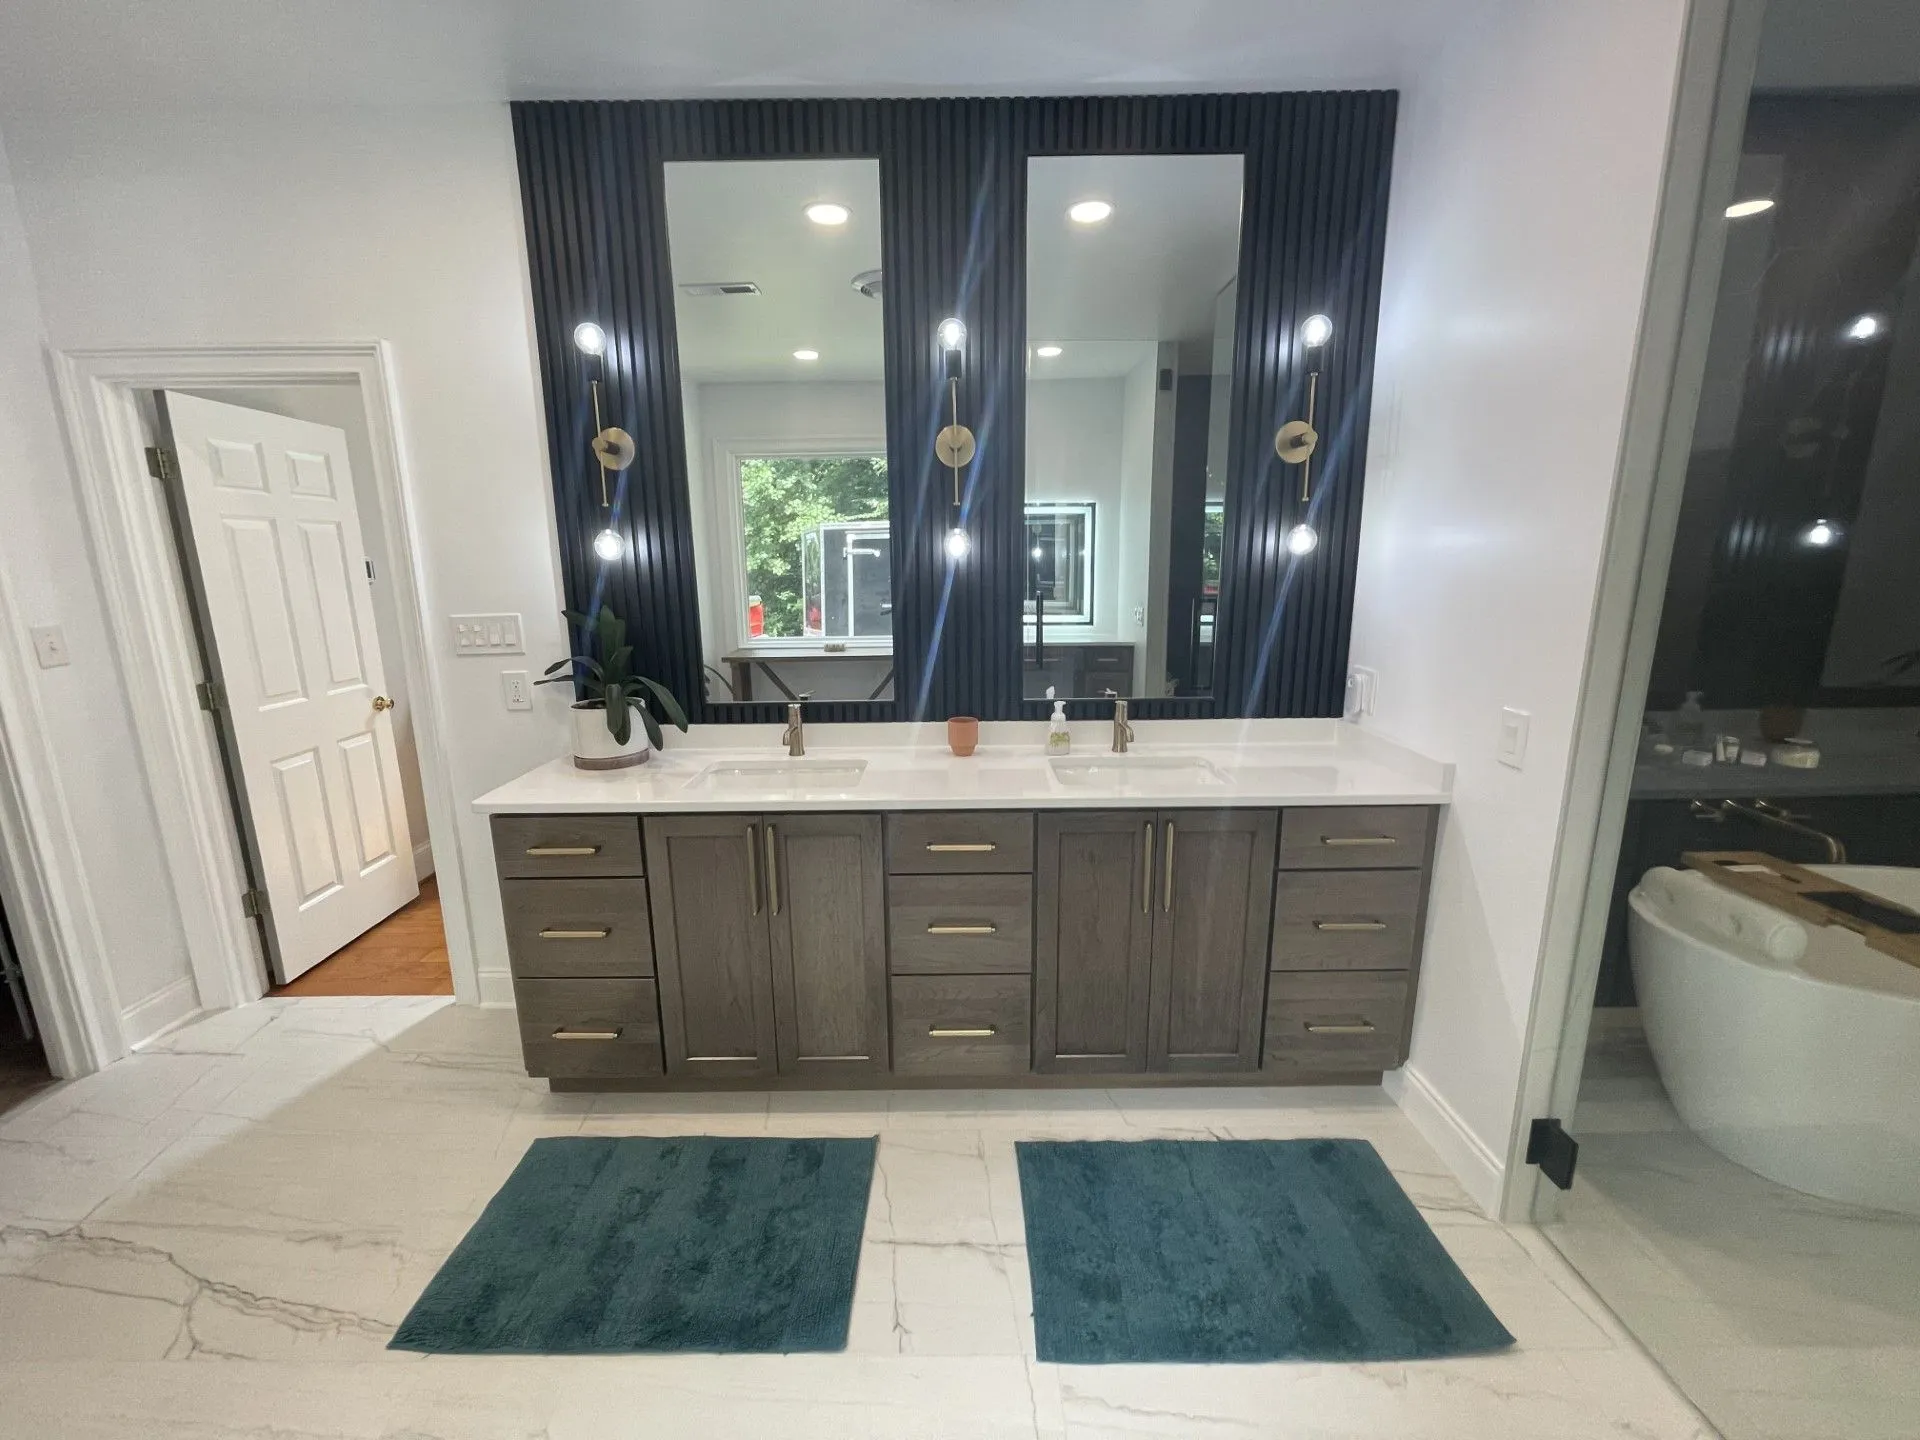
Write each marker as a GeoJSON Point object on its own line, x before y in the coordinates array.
{"type": "Point", "coordinates": [50, 646]}
{"type": "Point", "coordinates": [517, 690]}
{"type": "Point", "coordinates": [487, 635]}
{"type": "Point", "coordinates": [1512, 749]}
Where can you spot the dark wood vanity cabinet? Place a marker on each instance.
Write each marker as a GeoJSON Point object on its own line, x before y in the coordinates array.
{"type": "Point", "coordinates": [1152, 939]}
{"type": "Point", "coordinates": [770, 942]}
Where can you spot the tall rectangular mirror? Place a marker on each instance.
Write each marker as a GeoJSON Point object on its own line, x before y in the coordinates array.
{"type": "Point", "coordinates": [777, 302]}
{"type": "Point", "coordinates": [1132, 265]}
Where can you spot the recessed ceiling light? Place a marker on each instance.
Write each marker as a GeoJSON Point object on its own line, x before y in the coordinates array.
{"type": "Point", "coordinates": [1088, 212]}
{"type": "Point", "coordinates": [825, 212]}
{"type": "Point", "coordinates": [806, 354]}
{"type": "Point", "coordinates": [1046, 352]}
{"type": "Point", "coordinates": [1740, 209]}
{"type": "Point", "coordinates": [1865, 328]}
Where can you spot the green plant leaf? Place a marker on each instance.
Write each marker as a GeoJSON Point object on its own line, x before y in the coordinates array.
{"type": "Point", "coordinates": [653, 725]}
{"type": "Point", "coordinates": [619, 663]}
{"type": "Point", "coordinates": [669, 705]}
{"type": "Point", "coordinates": [619, 715]}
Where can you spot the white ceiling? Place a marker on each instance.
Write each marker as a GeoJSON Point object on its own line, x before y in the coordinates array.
{"type": "Point", "coordinates": [62, 55]}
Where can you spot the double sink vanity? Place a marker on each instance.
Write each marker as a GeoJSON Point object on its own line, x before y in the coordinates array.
{"type": "Point", "coordinates": [1248, 910]}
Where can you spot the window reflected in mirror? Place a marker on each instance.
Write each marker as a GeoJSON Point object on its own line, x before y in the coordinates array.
{"type": "Point", "coordinates": [1131, 290]}
{"type": "Point", "coordinates": [777, 302]}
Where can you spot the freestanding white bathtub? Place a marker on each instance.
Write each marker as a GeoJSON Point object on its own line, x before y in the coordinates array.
{"type": "Point", "coordinates": [1791, 1049]}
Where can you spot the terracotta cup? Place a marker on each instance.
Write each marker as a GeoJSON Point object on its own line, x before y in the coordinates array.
{"type": "Point", "coordinates": [963, 733]}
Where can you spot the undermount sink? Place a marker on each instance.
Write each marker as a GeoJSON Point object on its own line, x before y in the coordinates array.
{"type": "Point", "coordinates": [790, 775]}
{"type": "Point", "coordinates": [1139, 771]}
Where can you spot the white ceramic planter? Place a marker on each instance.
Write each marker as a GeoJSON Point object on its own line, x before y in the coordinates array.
{"type": "Point", "coordinates": [594, 747]}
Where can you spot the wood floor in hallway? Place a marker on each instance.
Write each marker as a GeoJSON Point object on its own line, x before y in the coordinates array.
{"type": "Point", "coordinates": [405, 954]}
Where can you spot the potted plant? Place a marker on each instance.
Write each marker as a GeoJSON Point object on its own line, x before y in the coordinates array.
{"type": "Point", "coordinates": [608, 694]}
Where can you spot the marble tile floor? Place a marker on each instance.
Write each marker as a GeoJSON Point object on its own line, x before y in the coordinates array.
{"type": "Point", "coordinates": [1782, 1316]}
{"type": "Point", "coordinates": [216, 1237]}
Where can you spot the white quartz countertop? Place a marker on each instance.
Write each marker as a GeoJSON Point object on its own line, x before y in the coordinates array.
{"type": "Point", "coordinates": [909, 767]}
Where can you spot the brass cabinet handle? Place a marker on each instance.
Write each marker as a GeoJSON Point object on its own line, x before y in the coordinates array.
{"type": "Point", "coordinates": [1146, 871]}
{"type": "Point", "coordinates": [563, 850]}
{"type": "Point", "coordinates": [1358, 840]}
{"type": "Point", "coordinates": [773, 871]}
{"type": "Point", "coordinates": [982, 847]}
{"type": "Point", "coordinates": [961, 1032]}
{"type": "Point", "coordinates": [963, 929]}
{"type": "Point", "coordinates": [1166, 882]}
{"type": "Point", "coordinates": [1346, 925]}
{"type": "Point", "coordinates": [753, 866]}
{"type": "Point", "coordinates": [1359, 1027]}
{"type": "Point", "coordinates": [563, 1033]}
{"type": "Point", "coordinates": [575, 934]}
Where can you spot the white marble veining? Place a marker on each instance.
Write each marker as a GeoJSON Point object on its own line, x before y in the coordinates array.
{"type": "Point", "coordinates": [909, 767]}
{"type": "Point", "coordinates": [270, 1190]}
{"type": "Point", "coordinates": [1783, 1316]}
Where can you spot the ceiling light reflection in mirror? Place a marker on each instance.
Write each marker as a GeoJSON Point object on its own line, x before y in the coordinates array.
{"type": "Point", "coordinates": [1131, 299]}
{"type": "Point", "coordinates": [778, 308]}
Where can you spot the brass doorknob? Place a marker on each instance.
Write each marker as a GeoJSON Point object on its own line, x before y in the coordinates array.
{"type": "Point", "coordinates": [381, 702]}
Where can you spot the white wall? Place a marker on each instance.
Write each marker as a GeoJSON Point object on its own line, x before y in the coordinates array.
{"type": "Point", "coordinates": [1525, 189]}
{"type": "Point", "coordinates": [396, 224]}
{"type": "Point", "coordinates": [49, 577]}
{"type": "Point", "coordinates": [1075, 452]}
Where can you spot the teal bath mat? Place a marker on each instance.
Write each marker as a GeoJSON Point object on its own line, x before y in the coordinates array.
{"type": "Point", "coordinates": [621, 1245]}
{"type": "Point", "coordinates": [1241, 1250]}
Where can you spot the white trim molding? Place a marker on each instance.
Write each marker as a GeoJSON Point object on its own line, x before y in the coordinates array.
{"type": "Point", "coordinates": [1471, 1160]}
{"type": "Point", "coordinates": [132, 541]}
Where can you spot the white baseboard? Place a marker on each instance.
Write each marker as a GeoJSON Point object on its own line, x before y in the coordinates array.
{"type": "Point", "coordinates": [423, 860]}
{"type": "Point", "coordinates": [496, 988]}
{"type": "Point", "coordinates": [1479, 1171]}
{"type": "Point", "coordinates": [160, 1011]}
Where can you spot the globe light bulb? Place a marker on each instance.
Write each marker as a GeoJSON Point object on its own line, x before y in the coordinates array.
{"type": "Point", "coordinates": [959, 543]}
{"type": "Point", "coordinates": [1315, 331]}
{"type": "Point", "coordinates": [609, 544]}
{"type": "Point", "coordinates": [1820, 534]}
{"type": "Point", "coordinates": [1302, 539]}
{"type": "Point", "coordinates": [952, 333]}
{"type": "Point", "coordinates": [590, 338]}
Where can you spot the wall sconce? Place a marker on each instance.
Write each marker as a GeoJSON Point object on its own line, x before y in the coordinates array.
{"type": "Point", "coordinates": [954, 445]}
{"type": "Point", "coordinates": [613, 449]}
{"type": "Point", "coordinates": [1295, 441]}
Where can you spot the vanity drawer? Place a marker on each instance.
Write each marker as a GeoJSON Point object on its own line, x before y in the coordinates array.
{"type": "Point", "coordinates": [996, 842]}
{"type": "Point", "coordinates": [582, 1029]}
{"type": "Point", "coordinates": [1346, 919]}
{"type": "Point", "coordinates": [962, 1024]}
{"type": "Point", "coordinates": [1354, 837]}
{"type": "Point", "coordinates": [568, 929]}
{"type": "Point", "coordinates": [539, 845]}
{"type": "Point", "coordinates": [960, 924]}
{"type": "Point", "coordinates": [1336, 1022]}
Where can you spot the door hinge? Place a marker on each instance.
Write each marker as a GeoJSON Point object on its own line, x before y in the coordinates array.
{"type": "Point", "coordinates": [212, 695]}
{"type": "Point", "coordinates": [253, 903]}
{"type": "Point", "coordinates": [1555, 1151]}
{"type": "Point", "coordinates": [160, 463]}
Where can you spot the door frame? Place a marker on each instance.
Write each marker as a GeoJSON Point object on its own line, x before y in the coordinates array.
{"type": "Point", "coordinates": [148, 611]}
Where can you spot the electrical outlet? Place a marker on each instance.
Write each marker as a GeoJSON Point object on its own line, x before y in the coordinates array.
{"type": "Point", "coordinates": [1362, 689]}
{"type": "Point", "coordinates": [1512, 747]}
{"type": "Point", "coordinates": [487, 635]}
{"type": "Point", "coordinates": [518, 690]}
{"type": "Point", "coordinates": [1139, 617]}
{"type": "Point", "coordinates": [50, 645]}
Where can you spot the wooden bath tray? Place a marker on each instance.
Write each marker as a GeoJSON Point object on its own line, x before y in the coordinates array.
{"type": "Point", "coordinates": [1819, 899]}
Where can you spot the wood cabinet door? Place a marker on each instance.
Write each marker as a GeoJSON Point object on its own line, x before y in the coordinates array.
{"type": "Point", "coordinates": [711, 948]}
{"type": "Point", "coordinates": [827, 920]}
{"type": "Point", "coordinates": [1212, 902]}
{"type": "Point", "coordinates": [1093, 940]}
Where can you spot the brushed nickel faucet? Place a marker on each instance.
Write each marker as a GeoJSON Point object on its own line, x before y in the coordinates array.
{"type": "Point", "coordinates": [794, 737]}
{"type": "Point", "coordinates": [1122, 731]}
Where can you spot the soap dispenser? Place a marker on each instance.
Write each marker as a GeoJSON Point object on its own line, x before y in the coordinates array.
{"type": "Point", "coordinates": [1059, 738]}
{"type": "Point", "coordinates": [1690, 721]}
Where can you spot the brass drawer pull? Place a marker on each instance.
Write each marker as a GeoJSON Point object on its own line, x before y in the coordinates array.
{"type": "Point", "coordinates": [983, 847]}
{"type": "Point", "coordinates": [1361, 1027]}
{"type": "Point", "coordinates": [565, 1034]}
{"type": "Point", "coordinates": [575, 934]}
{"type": "Point", "coordinates": [559, 850]}
{"type": "Point", "coordinates": [1358, 840]}
{"type": "Point", "coordinates": [962, 1032]}
{"type": "Point", "coordinates": [963, 929]}
{"type": "Point", "coordinates": [1343, 926]}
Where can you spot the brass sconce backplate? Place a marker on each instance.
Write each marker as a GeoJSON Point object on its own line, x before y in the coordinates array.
{"type": "Point", "coordinates": [1294, 441]}
{"type": "Point", "coordinates": [614, 448]}
{"type": "Point", "coordinates": [954, 445]}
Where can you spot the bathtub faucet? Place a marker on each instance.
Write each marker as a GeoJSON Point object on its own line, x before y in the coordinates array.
{"type": "Point", "coordinates": [1768, 813]}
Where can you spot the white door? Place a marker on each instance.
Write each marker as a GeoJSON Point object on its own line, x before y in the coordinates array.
{"type": "Point", "coordinates": [282, 577]}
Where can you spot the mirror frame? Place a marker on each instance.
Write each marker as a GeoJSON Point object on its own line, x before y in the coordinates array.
{"type": "Point", "coordinates": [953, 195]}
